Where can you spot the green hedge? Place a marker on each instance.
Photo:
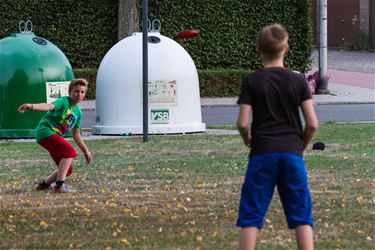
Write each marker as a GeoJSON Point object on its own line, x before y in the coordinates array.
{"type": "Point", "coordinates": [212, 83]}
{"type": "Point", "coordinates": [85, 29]}
{"type": "Point", "coordinates": [221, 82]}
{"type": "Point", "coordinates": [229, 29]}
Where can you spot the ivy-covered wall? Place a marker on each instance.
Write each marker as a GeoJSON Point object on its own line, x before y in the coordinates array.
{"type": "Point", "coordinates": [85, 29]}
{"type": "Point", "coordinates": [229, 29]}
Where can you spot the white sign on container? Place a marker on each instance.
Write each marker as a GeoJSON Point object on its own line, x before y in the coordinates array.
{"type": "Point", "coordinates": [56, 90]}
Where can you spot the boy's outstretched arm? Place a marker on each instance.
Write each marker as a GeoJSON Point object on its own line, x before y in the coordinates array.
{"type": "Point", "coordinates": [78, 139]}
{"type": "Point", "coordinates": [311, 122]}
{"type": "Point", "coordinates": [36, 106]}
{"type": "Point", "coordinates": [243, 123]}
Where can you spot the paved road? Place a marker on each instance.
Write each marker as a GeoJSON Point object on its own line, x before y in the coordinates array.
{"type": "Point", "coordinates": [325, 113]}
{"type": "Point", "coordinates": [228, 115]}
{"type": "Point", "coordinates": [346, 113]}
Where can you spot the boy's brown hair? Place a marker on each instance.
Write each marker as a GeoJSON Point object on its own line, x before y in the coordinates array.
{"type": "Point", "coordinates": [272, 40]}
{"type": "Point", "coordinates": [77, 82]}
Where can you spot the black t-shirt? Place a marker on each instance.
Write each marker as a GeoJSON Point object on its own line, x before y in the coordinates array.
{"type": "Point", "coordinates": [275, 95]}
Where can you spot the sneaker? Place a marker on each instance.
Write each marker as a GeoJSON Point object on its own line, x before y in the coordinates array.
{"type": "Point", "coordinates": [61, 190]}
{"type": "Point", "coordinates": [42, 185]}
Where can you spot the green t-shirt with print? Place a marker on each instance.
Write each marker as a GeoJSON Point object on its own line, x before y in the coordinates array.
{"type": "Point", "coordinates": [60, 120]}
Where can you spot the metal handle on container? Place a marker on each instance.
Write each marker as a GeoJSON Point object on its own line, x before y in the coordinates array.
{"type": "Point", "coordinates": [25, 27]}
{"type": "Point", "coordinates": [151, 27]}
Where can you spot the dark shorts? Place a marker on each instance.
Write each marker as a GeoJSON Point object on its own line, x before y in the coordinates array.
{"type": "Point", "coordinates": [59, 149]}
{"type": "Point", "coordinates": [264, 172]}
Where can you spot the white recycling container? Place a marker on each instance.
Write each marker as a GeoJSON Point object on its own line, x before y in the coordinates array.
{"type": "Point", "coordinates": [173, 89]}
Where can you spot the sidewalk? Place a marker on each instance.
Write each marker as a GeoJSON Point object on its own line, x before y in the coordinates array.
{"type": "Point", "coordinates": [352, 77]}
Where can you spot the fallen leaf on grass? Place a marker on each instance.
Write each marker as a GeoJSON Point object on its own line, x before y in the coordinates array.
{"type": "Point", "coordinates": [199, 238]}
{"type": "Point", "coordinates": [359, 199]}
{"type": "Point", "coordinates": [192, 222]}
{"type": "Point", "coordinates": [125, 241]}
{"type": "Point", "coordinates": [130, 168]}
{"type": "Point", "coordinates": [179, 205]}
{"type": "Point", "coordinates": [43, 224]}
{"type": "Point", "coordinates": [134, 216]}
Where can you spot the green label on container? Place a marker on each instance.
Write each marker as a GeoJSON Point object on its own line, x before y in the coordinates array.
{"type": "Point", "coordinates": [159, 116]}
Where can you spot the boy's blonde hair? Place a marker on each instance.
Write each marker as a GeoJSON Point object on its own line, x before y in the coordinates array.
{"type": "Point", "coordinates": [77, 82]}
{"type": "Point", "coordinates": [272, 40]}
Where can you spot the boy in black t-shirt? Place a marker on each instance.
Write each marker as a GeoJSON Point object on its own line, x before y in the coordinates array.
{"type": "Point", "coordinates": [273, 96]}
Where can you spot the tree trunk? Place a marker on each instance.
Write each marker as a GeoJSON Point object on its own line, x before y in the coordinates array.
{"type": "Point", "coordinates": [128, 18]}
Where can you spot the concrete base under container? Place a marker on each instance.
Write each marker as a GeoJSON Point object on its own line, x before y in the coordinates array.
{"type": "Point", "coordinates": [154, 129]}
{"type": "Point", "coordinates": [17, 133]}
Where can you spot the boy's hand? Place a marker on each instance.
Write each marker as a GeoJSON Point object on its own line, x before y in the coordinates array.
{"type": "Point", "coordinates": [88, 157]}
{"type": "Point", "coordinates": [248, 141]}
{"type": "Point", "coordinates": [24, 107]}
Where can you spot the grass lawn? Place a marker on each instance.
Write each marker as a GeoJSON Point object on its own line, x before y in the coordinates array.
{"type": "Point", "coordinates": [181, 192]}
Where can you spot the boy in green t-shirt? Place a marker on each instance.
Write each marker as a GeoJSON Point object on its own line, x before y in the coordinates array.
{"type": "Point", "coordinates": [63, 115]}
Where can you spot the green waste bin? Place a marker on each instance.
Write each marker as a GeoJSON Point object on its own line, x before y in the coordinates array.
{"type": "Point", "coordinates": [32, 70]}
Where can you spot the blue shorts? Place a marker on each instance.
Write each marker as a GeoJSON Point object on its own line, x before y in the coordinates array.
{"type": "Point", "coordinates": [265, 171]}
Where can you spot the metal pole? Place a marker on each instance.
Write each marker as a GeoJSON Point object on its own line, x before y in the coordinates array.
{"type": "Point", "coordinates": [322, 84]}
{"type": "Point", "coordinates": [318, 31]}
{"type": "Point", "coordinates": [145, 68]}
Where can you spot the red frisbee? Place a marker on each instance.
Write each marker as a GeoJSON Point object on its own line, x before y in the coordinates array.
{"type": "Point", "coordinates": [187, 34]}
